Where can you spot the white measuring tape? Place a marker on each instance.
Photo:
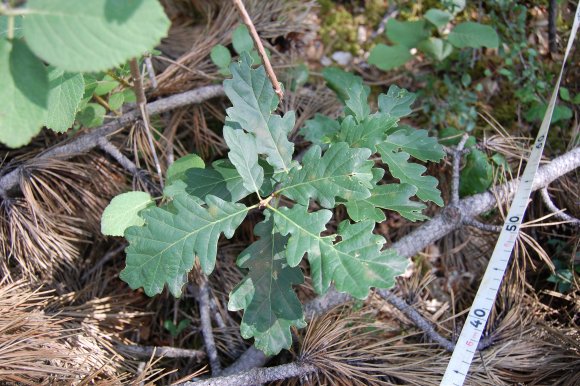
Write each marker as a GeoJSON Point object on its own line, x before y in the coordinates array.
{"type": "Point", "coordinates": [485, 298]}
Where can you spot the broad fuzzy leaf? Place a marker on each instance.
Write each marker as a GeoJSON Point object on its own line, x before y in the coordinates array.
{"type": "Point", "coordinates": [164, 249]}
{"type": "Point", "coordinates": [475, 35]}
{"type": "Point", "coordinates": [320, 129]}
{"type": "Point", "coordinates": [438, 17]}
{"type": "Point", "coordinates": [410, 173]}
{"type": "Point", "coordinates": [436, 48]}
{"type": "Point", "coordinates": [241, 39]}
{"type": "Point", "coordinates": [477, 175]}
{"type": "Point", "coordinates": [244, 155]}
{"type": "Point", "coordinates": [388, 57]}
{"type": "Point", "coordinates": [23, 92]}
{"type": "Point", "coordinates": [271, 306]}
{"type": "Point", "coordinates": [253, 100]}
{"type": "Point", "coordinates": [123, 212]}
{"type": "Point", "coordinates": [394, 197]}
{"type": "Point", "coordinates": [92, 35]}
{"type": "Point", "coordinates": [350, 90]}
{"type": "Point", "coordinates": [406, 33]}
{"type": "Point", "coordinates": [368, 133]}
{"type": "Point", "coordinates": [417, 143]}
{"type": "Point", "coordinates": [341, 172]}
{"type": "Point", "coordinates": [305, 229]}
{"type": "Point", "coordinates": [396, 102]}
{"type": "Point", "coordinates": [64, 98]}
{"type": "Point", "coordinates": [176, 171]}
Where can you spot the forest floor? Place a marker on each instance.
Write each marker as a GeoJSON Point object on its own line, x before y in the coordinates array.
{"type": "Point", "coordinates": [67, 318]}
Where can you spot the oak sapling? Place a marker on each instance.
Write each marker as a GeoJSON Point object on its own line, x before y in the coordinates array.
{"type": "Point", "coordinates": [204, 202]}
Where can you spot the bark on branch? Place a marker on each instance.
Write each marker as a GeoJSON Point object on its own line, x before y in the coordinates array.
{"type": "Point", "coordinates": [258, 376]}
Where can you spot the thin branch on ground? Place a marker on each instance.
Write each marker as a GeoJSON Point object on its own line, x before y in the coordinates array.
{"type": "Point", "coordinates": [142, 103]}
{"type": "Point", "coordinates": [150, 70]}
{"type": "Point", "coordinates": [422, 323]}
{"type": "Point", "coordinates": [267, 65]}
{"type": "Point", "coordinates": [554, 209]}
{"type": "Point", "coordinates": [207, 329]}
{"type": "Point", "coordinates": [85, 142]}
{"type": "Point", "coordinates": [158, 351]}
{"type": "Point", "coordinates": [258, 376]}
{"type": "Point", "coordinates": [479, 225]}
{"type": "Point", "coordinates": [456, 169]}
{"type": "Point", "coordinates": [106, 146]}
{"type": "Point", "coordinates": [449, 220]}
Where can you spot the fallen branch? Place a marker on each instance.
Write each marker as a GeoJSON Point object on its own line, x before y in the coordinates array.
{"type": "Point", "coordinates": [449, 220]}
{"type": "Point", "coordinates": [206, 328]}
{"type": "Point", "coordinates": [10, 181]}
{"type": "Point", "coordinates": [160, 351]}
{"type": "Point", "coordinates": [258, 376]}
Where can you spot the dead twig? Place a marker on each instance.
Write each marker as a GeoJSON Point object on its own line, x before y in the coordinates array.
{"type": "Point", "coordinates": [160, 351]}
{"type": "Point", "coordinates": [558, 213]}
{"type": "Point", "coordinates": [206, 328]}
{"type": "Point", "coordinates": [267, 65]}
{"type": "Point", "coordinates": [258, 376]}
{"type": "Point", "coordinates": [456, 170]}
{"type": "Point", "coordinates": [142, 103]}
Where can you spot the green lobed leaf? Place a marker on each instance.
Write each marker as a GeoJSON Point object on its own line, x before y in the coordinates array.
{"type": "Point", "coordinates": [341, 172]}
{"type": "Point", "coordinates": [176, 171]}
{"type": "Point", "coordinates": [360, 263]}
{"type": "Point", "coordinates": [355, 263]}
{"type": "Point", "coordinates": [436, 48]}
{"type": "Point", "coordinates": [305, 229]}
{"type": "Point", "coordinates": [406, 33]}
{"type": "Point", "coordinates": [223, 180]}
{"type": "Point", "coordinates": [93, 35]}
{"type": "Point", "coordinates": [270, 305]}
{"type": "Point", "coordinates": [475, 35]}
{"type": "Point", "coordinates": [23, 92]}
{"type": "Point", "coordinates": [477, 175]}
{"type": "Point", "coordinates": [244, 156]}
{"type": "Point", "coordinates": [320, 129]}
{"type": "Point", "coordinates": [350, 90]}
{"type": "Point", "coordinates": [64, 97]}
{"type": "Point", "coordinates": [395, 197]}
{"type": "Point", "coordinates": [162, 252]}
{"type": "Point", "coordinates": [417, 143]}
{"type": "Point", "coordinates": [388, 57]}
{"type": "Point", "coordinates": [410, 173]}
{"type": "Point", "coordinates": [397, 102]}
{"type": "Point", "coordinates": [438, 17]}
{"type": "Point", "coordinates": [368, 133]}
{"type": "Point", "coordinates": [253, 100]}
{"type": "Point", "coordinates": [123, 212]}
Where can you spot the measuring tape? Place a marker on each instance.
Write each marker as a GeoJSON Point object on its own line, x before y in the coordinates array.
{"type": "Point", "coordinates": [487, 292]}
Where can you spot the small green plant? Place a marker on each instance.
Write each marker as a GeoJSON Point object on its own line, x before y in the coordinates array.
{"type": "Point", "coordinates": [176, 329]}
{"type": "Point", "coordinates": [242, 42]}
{"type": "Point", "coordinates": [430, 36]}
{"type": "Point", "coordinates": [43, 57]}
{"type": "Point", "coordinates": [296, 198]}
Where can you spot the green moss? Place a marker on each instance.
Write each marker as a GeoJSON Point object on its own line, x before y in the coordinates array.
{"type": "Point", "coordinates": [338, 30]}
